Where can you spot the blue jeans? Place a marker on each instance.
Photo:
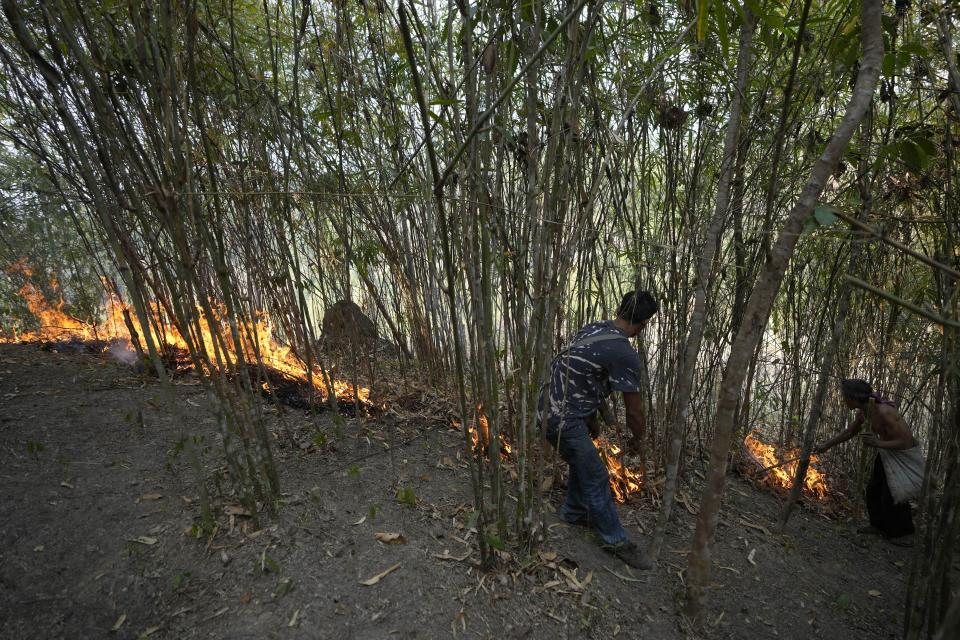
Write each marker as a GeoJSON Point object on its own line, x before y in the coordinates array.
{"type": "Point", "coordinates": [588, 489]}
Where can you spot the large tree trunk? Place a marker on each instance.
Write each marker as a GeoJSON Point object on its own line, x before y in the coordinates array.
{"type": "Point", "coordinates": [761, 301]}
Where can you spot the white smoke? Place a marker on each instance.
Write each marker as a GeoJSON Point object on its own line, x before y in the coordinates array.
{"type": "Point", "coordinates": [121, 351]}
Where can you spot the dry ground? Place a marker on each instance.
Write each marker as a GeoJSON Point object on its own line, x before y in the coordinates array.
{"type": "Point", "coordinates": [96, 499]}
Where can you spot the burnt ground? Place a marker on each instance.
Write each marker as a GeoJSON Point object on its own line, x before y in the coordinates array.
{"type": "Point", "coordinates": [98, 499]}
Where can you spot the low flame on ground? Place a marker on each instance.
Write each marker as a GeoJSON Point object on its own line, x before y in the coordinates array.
{"type": "Point", "coordinates": [483, 434]}
{"type": "Point", "coordinates": [56, 325]}
{"type": "Point", "coordinates": [815, 483]}
{"type": "Point", "coordinates": [624, 481]}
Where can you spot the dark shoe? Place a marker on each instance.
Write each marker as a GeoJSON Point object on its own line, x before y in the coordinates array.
{"type": "Point", "coordinates": [580, 522]}
{"type": "Point", "coordinates": [869, 530]}
{"type": "Point", "coordinates": [630, 553]}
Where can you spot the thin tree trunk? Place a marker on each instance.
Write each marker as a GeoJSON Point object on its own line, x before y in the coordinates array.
{"type": "Point", "coordinates": [698, 318]}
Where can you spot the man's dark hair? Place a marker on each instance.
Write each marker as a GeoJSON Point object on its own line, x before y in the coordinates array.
{"type": "Point", "coordinates": [856, 389]}
{"type": "Point", "coordinates": [637, 307]}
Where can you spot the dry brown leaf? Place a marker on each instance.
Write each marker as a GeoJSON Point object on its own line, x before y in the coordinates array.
{"type": "Point", "coordinates": [145, 540]}
{"type": "Point", "coordinates": [758, 527]}
{"type": "Point", "coordinates": [66, 484]}
{"type": "Point", "coordinates": [293, 619]}
{"type": "Point", "coordinates": [446, 556]}
{"type": "Point", "coordinates": [245, 598]}
{"type": "Point", "coordinates": [149, 631]}
{"type": "Point", "coordinates": [369, 582]}
{"type": "Point", "coordinates": [360, 521]}
{"type": "Point", "coordinates": [874, 593]}
{"type": "Point", "coordinates": [236, 510]}
{"type": "Point", "coordinates": [571, 578]}
{"type": "Point", "coordinates": [548, 556]}
{"type": "Point", "coordinates": [119, 622]}
{"type": "Point", "coordinates": [750, 555]}
{"type": "Point", "coordinates": [148, 497]}
{"type": "Point", "coordinates": [390, 538]}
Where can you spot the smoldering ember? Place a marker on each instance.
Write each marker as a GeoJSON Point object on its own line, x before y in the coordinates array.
{"type": "Point", "coordinates": [574, 319]}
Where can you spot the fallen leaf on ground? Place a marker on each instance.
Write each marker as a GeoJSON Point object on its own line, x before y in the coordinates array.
{"type": "Point", "coordinates": [147, 497]}
{"type": "Point", "coordinates": [38, 548]}
{"type": "Point", "coordinates": [571, 578]}
{"type": "Point", "coordinates": [758, 527]}
{"type": "Point", "coordinates": [360, 521]}
{"type": "Point", "coordinates": [245, 598]}
{"type": "Point", "coordinates": [293, 619]}
{"type": "Point", "coordinates": [548, 556]}
{"type": "Point", "coordinates": [446, 556]}
{"type": "Point", "coordinates": [145, 540]}
{"type": "Point", "coordinates": [149, 631]}
{"type": "Point", "coordinates": [119, 622]}
{"type": "Point", "coordinates": [390, 538]}
{"type": "Point", "coordinates": [66, 484]}
{"type": "Point", "coordinates": [874, 593]}
{"type": "Point", "coordinates": [236, 510]}
{"type": "Point", "coordinates": [750, 555]}
{"type": "Point", "coordinates": [369, 582]}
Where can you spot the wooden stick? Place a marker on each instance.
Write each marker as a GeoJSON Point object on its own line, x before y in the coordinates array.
{"type": "Point", "coordinates": [946, 322]}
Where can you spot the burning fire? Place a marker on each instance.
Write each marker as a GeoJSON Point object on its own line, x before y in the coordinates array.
{"type": "Point", "coordinates": [255, 337]}
{"type": "Point", "coordinates": [483, 434]}
{"type": "Point", "coordinates": [624, 481]}
{"type": "Point", "coordinates": [782, 476]}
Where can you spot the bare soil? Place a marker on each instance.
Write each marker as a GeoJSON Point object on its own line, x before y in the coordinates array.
{"type": "Point", "coordinates": [97, 499]}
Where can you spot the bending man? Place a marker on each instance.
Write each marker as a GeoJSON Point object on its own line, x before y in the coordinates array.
{"type": "Point", "coordinates": [598, 361]}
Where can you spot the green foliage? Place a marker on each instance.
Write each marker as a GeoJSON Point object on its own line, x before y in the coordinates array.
{"type": "Point", "coordinates": [406, 495]}
{"type": "Point", "coordinates": [494, 542]}
{"type": "Point", "coordinates": [179, 581]}
{"type": "Point", "coordinates": [268, 564]}
{"type": "Point", "coordinates": [34, 449]}
{"type": "Point", "coordinates": [320, 440]}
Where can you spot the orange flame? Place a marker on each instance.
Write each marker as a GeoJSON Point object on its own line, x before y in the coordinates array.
{"type": "Point", "coordinates": [54, 323]}
{"type": "Point", "coordinates": [781, 475]}
{"type": "Point", "coordinates": [256, 336]}
{"type": "Point", "coordinates": [624, 481]}
{"type": "Point", "coordinates": [481, 437]}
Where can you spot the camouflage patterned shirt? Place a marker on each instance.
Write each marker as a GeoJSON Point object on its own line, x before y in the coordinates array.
{"type": "Point", "coordinates": [584, 375]}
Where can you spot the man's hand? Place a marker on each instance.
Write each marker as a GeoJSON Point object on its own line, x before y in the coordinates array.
{"type": "Point", "coordinates": [871, 440]}
{"type": "Point", "coordinates": [635, 446]}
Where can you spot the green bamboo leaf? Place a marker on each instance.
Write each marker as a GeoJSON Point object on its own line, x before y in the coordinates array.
{"type": "Point", "coordinates": [722, 27]}
{"type": "Point", "coordinates": [824, 215]}
{"type": "Point", "coordinates": [925, 144]}
{"type": "Point", "coordinates": [703, 13]}
{"type": "Point", "coordinates": [913, 156]}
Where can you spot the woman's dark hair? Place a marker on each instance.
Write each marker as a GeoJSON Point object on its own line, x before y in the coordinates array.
{"type": "Point", "coordinates": [856, 389]}
{"type": "Point", "coordinates": [637, 307]}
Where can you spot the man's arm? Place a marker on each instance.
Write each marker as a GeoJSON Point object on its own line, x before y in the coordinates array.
{"type": "Point", "coordinates": [636, 418]}
{"type": "Point", "coordinates": [845, 435]}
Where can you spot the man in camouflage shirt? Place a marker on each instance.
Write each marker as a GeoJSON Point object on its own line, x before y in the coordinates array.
{"type": "Point", "coordinates": [598, 361]}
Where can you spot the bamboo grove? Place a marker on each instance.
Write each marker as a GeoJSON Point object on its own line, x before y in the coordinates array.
{"type": "Point", "coordinates": [485, 178]}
